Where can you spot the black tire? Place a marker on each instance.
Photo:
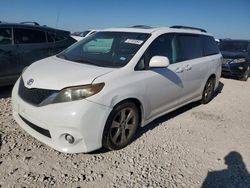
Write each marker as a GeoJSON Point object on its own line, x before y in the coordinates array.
{"type": "Point", "coordinates": [119, 130]}
{"type": "Point", "coordinates": [246, 75]}
{"type": "Point", "coordinates": [208, 92]}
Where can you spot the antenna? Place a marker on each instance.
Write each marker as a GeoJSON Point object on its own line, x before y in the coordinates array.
{"type": "Point", "coordinates": [57, 20]}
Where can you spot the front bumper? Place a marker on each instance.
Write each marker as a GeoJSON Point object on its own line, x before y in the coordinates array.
{"type": "Point", "coordinates": [82, 119]}
{"type": "Point", "coordinates": [236, 70]}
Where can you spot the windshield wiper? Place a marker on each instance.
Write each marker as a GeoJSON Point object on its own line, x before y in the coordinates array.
{"type": "Point", "coordinates": [86, 62]}
{"type": "Point", "coordinates": [63, 56]}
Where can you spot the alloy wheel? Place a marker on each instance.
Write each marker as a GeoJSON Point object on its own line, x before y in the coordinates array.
{"type": "Point", "coordinates": [123, 126]}
{"type": "Point", "coordinates": [208, 92]}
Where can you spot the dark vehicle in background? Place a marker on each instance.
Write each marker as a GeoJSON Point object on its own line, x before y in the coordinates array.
{"type": "Point", "coordinates": [236, 62]}
{"type": "Point", "coordinates": [24, 43]}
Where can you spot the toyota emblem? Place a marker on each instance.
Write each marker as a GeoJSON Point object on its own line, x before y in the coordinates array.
{"type": "Point", "coordinates": [30, 82]}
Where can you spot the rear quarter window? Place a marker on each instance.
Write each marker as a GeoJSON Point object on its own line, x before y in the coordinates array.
{"type": "Point", "coordinates": [210, 46]}
{"type": "Point", "coordinates": [5, 36]}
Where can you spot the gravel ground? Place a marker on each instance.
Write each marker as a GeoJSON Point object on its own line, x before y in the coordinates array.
{"type": "Point", "coordinates": [195, 146]}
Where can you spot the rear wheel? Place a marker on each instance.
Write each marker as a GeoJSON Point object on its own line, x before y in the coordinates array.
{"type": "Point", "coordinates": [208, 92]}
{"type": "Point", "coordinates": [246, 75]}
{"type": "Point", "coordinates": [121, 126]}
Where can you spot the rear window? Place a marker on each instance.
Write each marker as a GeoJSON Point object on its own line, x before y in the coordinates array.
{"type": "Point", "coordinates": [5, 36]}
{"type": "Point", "coordinates": [210, 46]}
{"type": "Point", "coordinates": [29, 36]}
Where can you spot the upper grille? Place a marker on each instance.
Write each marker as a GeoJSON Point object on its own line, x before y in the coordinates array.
{"type": "Point", "coordinates": [34, 96]}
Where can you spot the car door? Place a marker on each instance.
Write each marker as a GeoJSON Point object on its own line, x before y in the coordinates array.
{"type": "Point", "coordinates": [31, 45]}
{"type": "Point", "coordinates": [9, 60]}
{"type": "Point", "coordinates": [163, 86]}
{"type": "Point", "coordinates": [196, 68]}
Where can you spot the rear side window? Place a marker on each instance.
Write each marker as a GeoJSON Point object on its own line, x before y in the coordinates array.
{"type": "Point", "coordinates": [210, 46]}
{"type": "Point", "coordinates": [5, 36]}
{"type": "Point", "coordinates": [189, 47]}
{"type": "Point", "coordinates": [29, 36]}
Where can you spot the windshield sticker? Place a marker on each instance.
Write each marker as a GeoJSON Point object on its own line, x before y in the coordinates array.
{"type": "Point", "coordinates": [122, 58]}
{"type": "Point", "coordinates": [133, 41]}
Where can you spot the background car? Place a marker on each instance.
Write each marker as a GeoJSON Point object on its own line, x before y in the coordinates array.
{"type": "Point", "coordinates": [80, 35]}
{"type": "Point", "coordinates": [24, 43]}
{"type": "Point", "coordinates": [217, 41]}
{"type": "Point", "coordinates": [236, 54]}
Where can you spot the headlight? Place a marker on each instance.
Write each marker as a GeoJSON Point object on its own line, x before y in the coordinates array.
{"type": "Point", "coordinates": [77, 93]}
{"type": "Point", "coordinates": [241, 60]}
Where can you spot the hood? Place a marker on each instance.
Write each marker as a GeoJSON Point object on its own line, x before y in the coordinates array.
{"type": "Point", "coordinates": [55, 73]}
{"type": "Point", "coordinates": [233, 55]}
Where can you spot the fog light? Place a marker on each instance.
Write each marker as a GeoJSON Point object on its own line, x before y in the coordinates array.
{"type": "Point", "coordinates": [240, 67]}
{"type": "Point", "coordinates": [70, 139]}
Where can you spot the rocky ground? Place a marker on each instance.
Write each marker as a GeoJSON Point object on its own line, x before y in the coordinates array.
{"type": "Point", "coordinates": [195, 146]}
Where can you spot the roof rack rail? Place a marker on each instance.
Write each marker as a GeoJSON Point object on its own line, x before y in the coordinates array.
{"type": "Point", "coordinates": [187, 27]}
{"type": "Point", "coordinates": [35, 23]}
{"type": "Point", "coordinates": [141, 26]}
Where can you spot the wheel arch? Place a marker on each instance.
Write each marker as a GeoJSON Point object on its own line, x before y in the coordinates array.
{"type": "Point", "coordinates": [138, 104]}
{"type": "Point", "coordinates": [212, 76]}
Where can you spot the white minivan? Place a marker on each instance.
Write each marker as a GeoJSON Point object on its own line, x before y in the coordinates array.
{"type": "Point", "coordinates": [98, 91]}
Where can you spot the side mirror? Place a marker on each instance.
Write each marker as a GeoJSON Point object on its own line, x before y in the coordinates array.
{"type": "Point", "coordinates": [158, 62]}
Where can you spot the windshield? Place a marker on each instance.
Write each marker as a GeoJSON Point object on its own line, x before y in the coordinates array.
{"type": "Point", "coordinates": [234, 46]}
{"type": "Point", "coordinates": [106, 49]}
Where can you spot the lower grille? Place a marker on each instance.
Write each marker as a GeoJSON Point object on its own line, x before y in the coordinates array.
{"type": "Point", "coordinates": [42, 131]}
{"type": "Point", "coordinates": [34, 96]}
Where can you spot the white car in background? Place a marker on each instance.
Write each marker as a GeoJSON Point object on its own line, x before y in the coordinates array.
{"type": "Point", "coordinates": [98, 91]}
{"type": "Point", "coordinates": [82, 35]}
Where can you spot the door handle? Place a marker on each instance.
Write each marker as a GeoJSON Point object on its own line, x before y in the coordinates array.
{"type": "Point", "coordinates": [188, 67]}
{"type": "Point", "coordinates": [179, 70]}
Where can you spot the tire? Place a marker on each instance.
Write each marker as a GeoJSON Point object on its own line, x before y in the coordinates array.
{"type": "Point", "coordinates": [121, 126]}
{"type": "Point", "coordinates": [246, 75]}
{"type": "Point", "coordinates": [208, 92]}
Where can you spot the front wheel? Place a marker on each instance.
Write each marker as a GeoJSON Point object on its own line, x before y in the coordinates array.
{"type": "Point", "coordinates": [208, 92]}
{"type": "Point", "coordinates": [121, 126]}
